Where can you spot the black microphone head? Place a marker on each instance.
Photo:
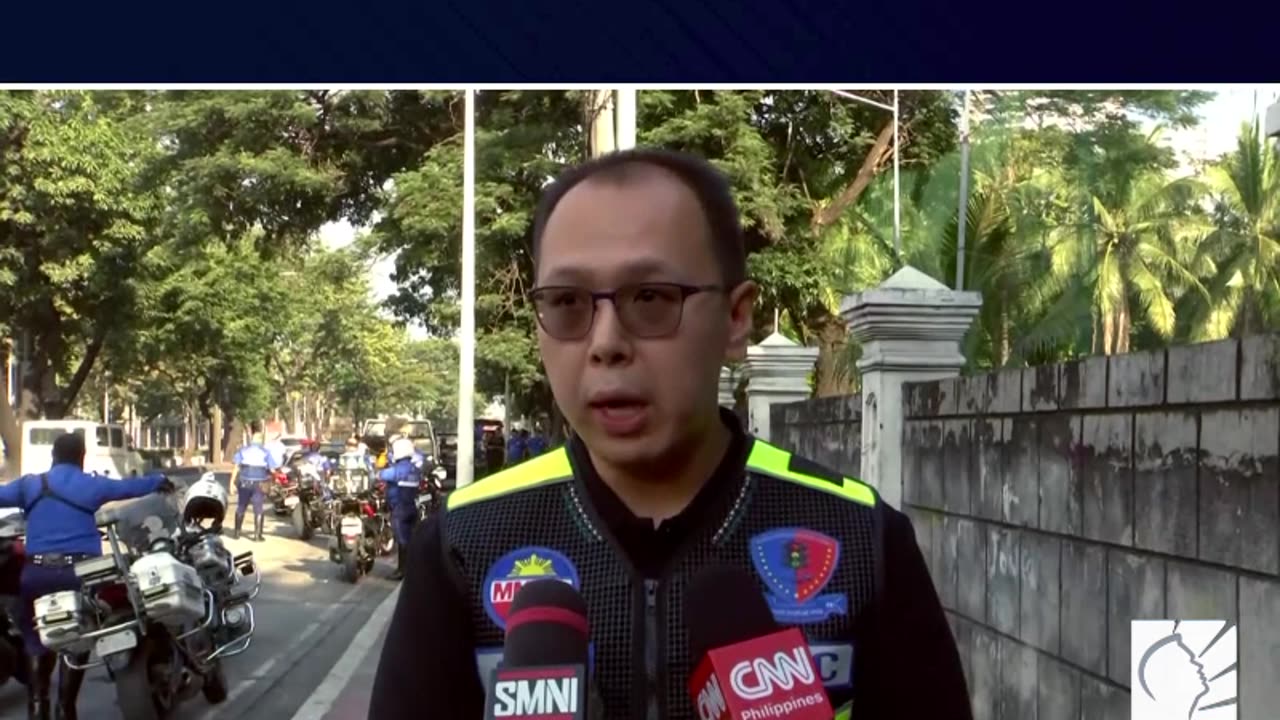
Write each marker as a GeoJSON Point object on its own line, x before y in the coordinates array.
{"type": "Point", "coordinates": [547, 625]}
{"type": "Point", "coordinates": [724, 605]}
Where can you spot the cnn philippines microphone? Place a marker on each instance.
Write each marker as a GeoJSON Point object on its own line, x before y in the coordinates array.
{"type": "Point", "coordinates": [543, 673]}
{"type": "Point", "coordinates": [749, 669]}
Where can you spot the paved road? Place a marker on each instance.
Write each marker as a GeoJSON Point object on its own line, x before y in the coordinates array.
{"type": "Point", "coordinates": [307, 622]}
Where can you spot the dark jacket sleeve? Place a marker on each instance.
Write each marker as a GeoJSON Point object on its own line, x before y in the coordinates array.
{"type": "Point", "coordinates": [907, 665]}
{"type": "Point", "coordinates": [428, 666]}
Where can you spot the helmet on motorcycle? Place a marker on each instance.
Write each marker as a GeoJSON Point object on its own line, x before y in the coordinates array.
{"type": "Point", "coordinates": [206, 499]}
{"type": "Point", "coordinates": [402, 448]}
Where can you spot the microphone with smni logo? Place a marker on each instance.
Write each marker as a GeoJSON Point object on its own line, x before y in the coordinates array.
{"type": "Point", "coordinates": [749, 669]}
{"type": "Point", "coordinates": [543, 673]}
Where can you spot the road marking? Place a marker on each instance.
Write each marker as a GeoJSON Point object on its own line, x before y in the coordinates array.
{"type": "Point", "coordinates": [263, 670]}
{"type": "Point", "coordinates": [336, 681]}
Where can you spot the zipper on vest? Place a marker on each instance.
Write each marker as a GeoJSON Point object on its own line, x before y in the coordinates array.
{"type": "Point", "coordinates": [651, 647]}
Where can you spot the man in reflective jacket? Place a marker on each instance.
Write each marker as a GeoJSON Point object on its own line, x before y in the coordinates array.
{"type": "Point", "coordinates": [62, 529]}
{"type": "Point", "coordinates": [641, 295]}
{"type": "Point", "coordinates": [403, 478]}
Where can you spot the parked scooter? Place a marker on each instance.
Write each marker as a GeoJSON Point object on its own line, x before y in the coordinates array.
{"type": "Point", "coordinates": [431, 493]}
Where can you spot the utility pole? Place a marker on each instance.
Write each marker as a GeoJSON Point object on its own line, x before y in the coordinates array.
{"type": "Point", "coordinates": [626, 109]}
{"type": "Point", "coordinates": [467, 331]}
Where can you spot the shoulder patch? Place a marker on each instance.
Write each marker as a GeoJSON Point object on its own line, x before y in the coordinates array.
{"type": "Point", "coordinates": [547, 468]}
{"type": "Point", "coordinates": [778, 463]}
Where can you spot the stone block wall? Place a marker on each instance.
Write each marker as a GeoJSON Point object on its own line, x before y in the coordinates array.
{"type": "Point", "coordinates": [1055, 504]}
{"type": "Point", "coordinates": [827, 431]}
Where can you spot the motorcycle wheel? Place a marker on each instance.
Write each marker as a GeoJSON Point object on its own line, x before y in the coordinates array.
{"type": "Point", "coordinates": [133, 688]}
{"type": "Point", "coordinates": [300, 525]}
{"type": "Point", "coordinates": [387, 544]}
{"type": "Point", "coordinates": [10, 660]}
{"type": "Point", "coordinates": [215, 684]}
{"type": "Point", "coordinates": [350, 567]}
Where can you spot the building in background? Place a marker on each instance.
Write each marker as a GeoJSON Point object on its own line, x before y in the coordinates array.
{"type": "Point", "coordinates": [1273, 120]}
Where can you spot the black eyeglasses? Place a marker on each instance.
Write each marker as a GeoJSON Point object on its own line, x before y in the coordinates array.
{"type": "Point", "coordinates": [645, 310]}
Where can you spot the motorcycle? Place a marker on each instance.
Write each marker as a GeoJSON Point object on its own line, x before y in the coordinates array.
{"type": "Point", "coordinates": [359, 537]}
{"type": "Point", "coordinates": [282, 492]}
{"type": "Point", "coordinates": [431, 493]}
{"type": "Point", "coordinates": [13, 662]}
{"type": "Point", "coordinates": [159, 619]}
{"type": "Point", "coordinates": [310, 507]}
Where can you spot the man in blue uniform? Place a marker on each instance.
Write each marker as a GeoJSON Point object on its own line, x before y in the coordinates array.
{"type": "Point", "coordinates": [253, 466]}
{"type": "Point", "coordinates": [403, 478]}
{"type": "Point", "coordinates": [535, 444]}
{"type": "Point", "coordinates": [517, 447]}
{"type": "Point", "coordinates": [59, 507]}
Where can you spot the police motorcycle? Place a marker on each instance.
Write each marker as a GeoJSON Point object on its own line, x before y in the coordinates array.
{"type": "Point", "coordinates": [309, 507]}
{"type": "Point", "coordinates": [431, 492]}
{"type": "Point", "coordinates": [361, 529]}
{"type": "Point", "coordinates": [161, 611]}
{"type": "Point", "coordinates": [13, 663]}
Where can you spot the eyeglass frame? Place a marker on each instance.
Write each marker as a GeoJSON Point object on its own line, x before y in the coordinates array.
{"type": "Point", "coordinates": [686, 291]}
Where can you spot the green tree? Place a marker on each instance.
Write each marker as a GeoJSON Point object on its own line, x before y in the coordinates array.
{"type": "Point", "coordinates": [74, 225]}
{"type": "Point", "coordinates": [1241, 258]}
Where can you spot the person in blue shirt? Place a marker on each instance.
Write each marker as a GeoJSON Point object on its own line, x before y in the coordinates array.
{"type": "Point", "coordinates": [403, 478]}
{"type": "Point", "coordinates": [535, 444]}
{"type": "Point", "coordinates": [253, 466]}
{"type": "Point", "coordinates": [516, 447]}
{"type": "Point", "coordinates": [59, 507]}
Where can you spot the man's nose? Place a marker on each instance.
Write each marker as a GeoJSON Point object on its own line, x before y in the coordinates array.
{"type": "Point", "coordinates": [608, 342]}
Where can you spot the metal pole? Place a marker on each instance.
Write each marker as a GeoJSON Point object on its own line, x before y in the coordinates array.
{"type": "Point", "coordinates": [625, 104]}
{"type": "Point", "coordinates": [467, 331]}
{"type": "Point", "coordinates": [964, 192]}
{"type": "Point", "coordinates": [897, 183]}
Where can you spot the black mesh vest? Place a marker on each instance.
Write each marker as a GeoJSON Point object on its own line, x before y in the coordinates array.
{"type": "Point", "coordinates": [533, 520]}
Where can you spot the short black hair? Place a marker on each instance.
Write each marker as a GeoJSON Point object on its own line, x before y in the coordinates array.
{"type": "Point", "coordinates": [708, 183]}
{"type": "Point", "coordinates": [68, 448]}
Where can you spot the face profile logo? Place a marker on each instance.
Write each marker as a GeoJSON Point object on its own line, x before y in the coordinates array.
{"type": "Point", "coordinates": [796, 564]}
{"type": "Point", "coordinates": [1184, 669]}
{"type": "Point", "coordinates": [517, 568]}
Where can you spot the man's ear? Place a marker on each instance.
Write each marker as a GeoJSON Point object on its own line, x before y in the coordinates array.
{"type": "Point", "coordinates": [742, 302]}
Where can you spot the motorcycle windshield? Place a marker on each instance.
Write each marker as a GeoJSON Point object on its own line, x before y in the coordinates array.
{"type": "Point", "coordinates": [141, 521]}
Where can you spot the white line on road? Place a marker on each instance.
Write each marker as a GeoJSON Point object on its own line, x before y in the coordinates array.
{"type": "Point", "coordinates": [265, 668]}
{"type": "Point", "coordinates": [332, 686]}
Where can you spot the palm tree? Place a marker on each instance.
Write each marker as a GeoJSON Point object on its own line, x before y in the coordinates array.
{"type": "Point", "coordinates": [1241, 258]}
{"type": "Point", "coordinates": [1127, 251]}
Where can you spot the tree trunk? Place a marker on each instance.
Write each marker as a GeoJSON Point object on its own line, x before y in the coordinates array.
{"type": "Point", "coordinates": [188, 432]}
{"type": "Point", "coordinates": [10, 429]}
{"type": "Point", "coordinates": [602, 138]}
{"type": "Point", "coordinates": [831, 379]}
{"type": "Point", "coordinates": [216, 435]}
{"type": "Point", "coordinates": [1124, 326]}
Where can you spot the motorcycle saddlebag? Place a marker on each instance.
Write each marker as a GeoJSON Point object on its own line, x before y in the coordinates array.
{"type": "Point", "coordinates": [172, 592]}
{"type": "Point", "coordinates": [59, 619]}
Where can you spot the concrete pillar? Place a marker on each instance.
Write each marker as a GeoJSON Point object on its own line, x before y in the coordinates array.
{"type": "Point", "coordinates": [728, 383]}
{"type": "Point", "coordinates": [777, 372]}
{"type": "Point", "coordinates": [910, 329]}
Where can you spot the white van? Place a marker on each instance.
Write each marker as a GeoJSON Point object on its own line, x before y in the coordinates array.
{"type": "Point", "coordinates": [108, 450]}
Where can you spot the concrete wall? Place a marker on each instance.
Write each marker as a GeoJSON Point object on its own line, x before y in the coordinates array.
{"type": "Point", "coordinates": [1055, 504]}
{"type": "Point", "coordinates": [826, 430]}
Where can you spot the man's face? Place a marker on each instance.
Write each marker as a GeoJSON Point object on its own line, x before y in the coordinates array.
{"type": "Point", "coordinates": [634, 400]}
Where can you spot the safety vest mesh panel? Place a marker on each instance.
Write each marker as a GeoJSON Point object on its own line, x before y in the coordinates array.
{"type": "Point", "coordinates": [551, 516]}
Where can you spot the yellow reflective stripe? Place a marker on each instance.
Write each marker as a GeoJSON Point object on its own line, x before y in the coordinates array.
{"type": "Point", "coordinates": [543, 469]}
{"type": "Point", "coordinates": [775, 461]}
{"type": "Point", "coordinates": [844, 712]}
